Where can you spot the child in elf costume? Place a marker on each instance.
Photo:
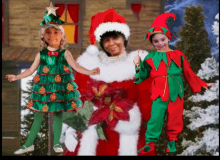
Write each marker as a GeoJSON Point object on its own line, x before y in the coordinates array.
{"type": "Point", "coordinates": [165, 66]}
{"type": "Point", "coordinates": [54, 89]}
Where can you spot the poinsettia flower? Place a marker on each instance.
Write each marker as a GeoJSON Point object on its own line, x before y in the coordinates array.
{"type": "Point", "coordinates": [97, 91]}
{"type": "Point", "coordinates": [112, 112]}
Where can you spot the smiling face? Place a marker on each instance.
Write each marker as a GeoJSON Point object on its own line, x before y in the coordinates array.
{"type": "Point", "coordinates": [160, 42]}
{"type": "Point", "coordinates": [114, 45]}
{"type": "Point", "coordinates": [53, 37]}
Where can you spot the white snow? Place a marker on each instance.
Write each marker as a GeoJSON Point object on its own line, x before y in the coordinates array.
{"type": "Point", "coordinates": [209, 143]}
{"type": "Point", "coordinates": [202, 117]}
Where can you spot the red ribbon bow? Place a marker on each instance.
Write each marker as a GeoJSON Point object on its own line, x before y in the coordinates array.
{"type": "Point", "coordinates": [55, 53]}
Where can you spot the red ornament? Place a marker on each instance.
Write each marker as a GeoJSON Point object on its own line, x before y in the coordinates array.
{"type": "Point", "coordinates": [74, 105]}
{"type": "Point", "coordinates": [30, 104]}
{"type": "Point", "coordinates": [53, 97]}
{"type": "Point", "coordinates": [65, 68]}
{"type": "Point", "coordinates": [37, 78]}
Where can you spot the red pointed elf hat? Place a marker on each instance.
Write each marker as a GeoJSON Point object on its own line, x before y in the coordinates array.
{"type": "Point", "coordinates": [159, 26]}
{"type": "Point", "coordinates": [107, 21]}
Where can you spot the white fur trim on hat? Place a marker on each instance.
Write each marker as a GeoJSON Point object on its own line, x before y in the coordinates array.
{"type": "Point", "coordinates": [92, 49]}
{"type": "Point", "coordinates": [112, 26]}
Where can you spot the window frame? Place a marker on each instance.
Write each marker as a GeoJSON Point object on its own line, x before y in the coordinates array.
{"type": "Point", "coordinates": [80, 23]}
{"type": "Point", "coordinates": [5, 23]}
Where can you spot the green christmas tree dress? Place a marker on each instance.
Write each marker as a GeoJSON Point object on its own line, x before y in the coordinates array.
{"type": "Point", "coordinates": [54, 88]}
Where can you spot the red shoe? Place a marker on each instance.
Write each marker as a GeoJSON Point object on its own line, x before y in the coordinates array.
{"type": "Point", "coordinates": [148, 150]}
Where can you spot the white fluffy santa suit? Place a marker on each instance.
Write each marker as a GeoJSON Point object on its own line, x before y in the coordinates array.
{"type": "Point", "coordinates": [127, 136]}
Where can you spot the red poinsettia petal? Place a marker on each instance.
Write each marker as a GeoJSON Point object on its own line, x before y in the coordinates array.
{"type": "Point", "coordinates": [122, 115]}
{"type": "Point", "coordinates": [88, 96]}
{"type": "Point", "coordinates": [125, 105]}
{"type": "Point", "coordinates": [99, 115]}
{"type": "Point", "coordinates": [98, 102]}
{"type": "Point", "coordinates": [111, 123]}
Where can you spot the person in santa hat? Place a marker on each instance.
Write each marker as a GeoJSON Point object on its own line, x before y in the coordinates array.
{"type": "Point", "coordinates": [165, 66]}
{"type": "Point", "coordinates": [120, 106]}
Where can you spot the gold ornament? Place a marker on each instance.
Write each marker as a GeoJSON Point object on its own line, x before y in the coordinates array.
{"type": "Point", "coordinates": [57, 78]}
{"type": "Point", "coordinates": [42, 90]}
{"type": "Point", "coordinates": [45, 108]}
{"type": "Point", "coordinates": [45, 69]}
{"type": "Point", "coordinates": [69, 87]}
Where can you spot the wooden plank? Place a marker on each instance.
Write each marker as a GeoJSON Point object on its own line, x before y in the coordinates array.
{"type": "Point", "coordinates": [10, 145]}
{"type": "Point", "coordinates": [10, 52]}
{"type": "Point", "coordinates": [5, 50]}
{"type": "Point", "coordinates": [25, 54]}
{"type": "Point", "coordinates": [33, 54]}
{"type": "Point", "coordinates": [17, 54]}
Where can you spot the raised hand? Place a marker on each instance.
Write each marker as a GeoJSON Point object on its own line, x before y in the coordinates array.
{"type": "Point", "coordinates": [137, 61]}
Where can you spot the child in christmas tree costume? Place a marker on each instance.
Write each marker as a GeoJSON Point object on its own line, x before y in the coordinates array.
{"type": "Point", "coordinates": [54, 89]}
{"type": "Point", "coordinates": [165, 66]}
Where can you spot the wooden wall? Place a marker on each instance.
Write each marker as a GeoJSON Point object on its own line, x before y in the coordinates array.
{"type": "Point", "coordinates": [25, 16]}
{"type": "Point", "coordinates": [10, 110]}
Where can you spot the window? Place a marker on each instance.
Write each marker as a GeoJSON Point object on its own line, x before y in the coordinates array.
{"type": "Point", "coordinates": [71, 13]}
{"type": "Point", "coordinates": [4, 23]}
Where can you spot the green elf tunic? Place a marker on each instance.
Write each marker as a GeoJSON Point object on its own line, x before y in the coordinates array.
{"type": "Point", "coordinates": [167, 91]}
{"type": "Point", "coordinates": [54, 89]}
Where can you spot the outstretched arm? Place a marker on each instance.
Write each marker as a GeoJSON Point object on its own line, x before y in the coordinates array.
{"type": "Point", "coordinates": [77, 67]}
{"type": "Point", "coordinates": [192, 79]}
{"type": "Point", "coordinates": [27, 72]}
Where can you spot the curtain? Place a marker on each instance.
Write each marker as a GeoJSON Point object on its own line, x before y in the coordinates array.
{"type": "Point", "coordinates": [73, 10]}
{"type": "Point", "coordinates": [61, 9]}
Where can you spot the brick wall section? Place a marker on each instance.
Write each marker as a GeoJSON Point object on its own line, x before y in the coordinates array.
{"type": "Point", "coordinates": [25, 16]}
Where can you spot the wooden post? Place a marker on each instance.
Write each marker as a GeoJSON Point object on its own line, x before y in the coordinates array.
{"type": "Point", "coordinates": [51, 136]}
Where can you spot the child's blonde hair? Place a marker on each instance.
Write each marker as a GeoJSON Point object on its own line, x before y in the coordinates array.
{"type": "Point", "coordinates": [63, 42]}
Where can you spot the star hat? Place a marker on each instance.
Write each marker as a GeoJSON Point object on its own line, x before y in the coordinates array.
{"type": "Point", "coordinates": [51, 19]}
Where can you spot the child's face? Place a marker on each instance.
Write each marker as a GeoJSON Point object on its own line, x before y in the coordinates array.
{"type": "Point", "coordinates": [160, 42]}
{"type": "Point", "coordinates": [53, 37]}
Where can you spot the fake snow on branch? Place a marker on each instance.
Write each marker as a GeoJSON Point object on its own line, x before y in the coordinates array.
{"type": "Point", "coordinates": [202, 117]}
{"type": "Point", "coordinates": [215, 28]}
{"type": "Point", "coordinates": [209, 143]}
{"type": "Point", "coordinates": [209, 69]}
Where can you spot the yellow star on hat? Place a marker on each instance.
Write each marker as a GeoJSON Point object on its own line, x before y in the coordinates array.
{"type": "Point", "coordinates": [51, 9]}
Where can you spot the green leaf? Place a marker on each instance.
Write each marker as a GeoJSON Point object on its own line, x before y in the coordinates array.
{"type": "Point", "coordinates": [100, 132]}
{"type": "Point", "coordinates": [86, 110]}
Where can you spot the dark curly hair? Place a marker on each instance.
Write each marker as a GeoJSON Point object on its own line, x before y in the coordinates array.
{"type": "Point", "coordinates": [115, 34]}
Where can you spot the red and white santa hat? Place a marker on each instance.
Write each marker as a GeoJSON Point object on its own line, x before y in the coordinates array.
{"type": "Point", "coordinates": [103, 22]}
